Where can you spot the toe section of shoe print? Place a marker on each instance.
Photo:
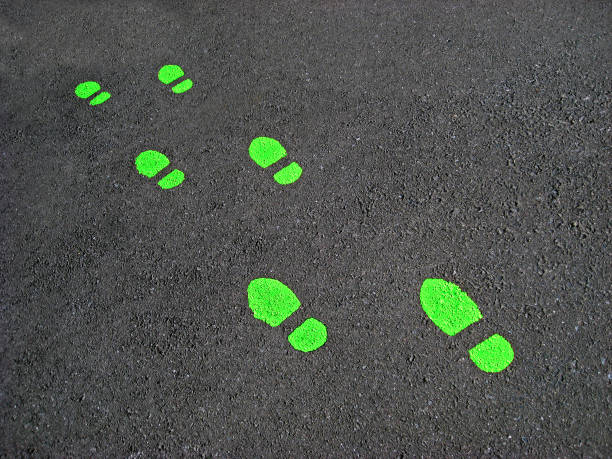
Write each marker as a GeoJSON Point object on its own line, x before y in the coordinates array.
{"type": "Point", "coordinates": [169, 73]}
{"type": "Point", "coordinates": [150, 162]}
{"type": "Point", "coordinates": [87, 89]}
{"type": "Point", "coordinates": [309, 336]}
{"type": "Point", "coordinates": [289, 174]}
{"type": "Point", "coordinates": [494, 354]}
{"type": "Point", "coordinates": [271, 301]}
{"type": "Point", "coordinates": [448, 306]}
{"type": "Point", "coordinates": [265, 151]}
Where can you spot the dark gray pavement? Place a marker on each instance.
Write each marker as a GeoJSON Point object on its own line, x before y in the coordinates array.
{"type": "Point", "coordinates": [463, 140]}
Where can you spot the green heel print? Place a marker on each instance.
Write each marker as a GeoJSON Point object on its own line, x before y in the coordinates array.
{"type": "Point", "coordinates": [169, 73]}
{"type": "Point", "coordinates": [266, 151]}
{"type": "Point", "coordinates": [272, 302]}
{"type": "Point", "coordinates": [151, 162]}
{"type": "Point", "coordinates": [88, 89]}
{"type": "Point", "coordinates": [452, 311]}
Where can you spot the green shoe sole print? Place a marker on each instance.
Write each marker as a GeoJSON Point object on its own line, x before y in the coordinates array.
{"type": "Point", "coordinates": [272, 302]}
{"type": "Point", "coordinates": [149, 163]}
{"type": "Point", "coordinates": [169, 74]}
{"type": "Point", "coordinates": [452, 311]}
{"type": "Point", "coordinates": [266, 151]}
{"type": "Point", "coordinates": [89, 88]}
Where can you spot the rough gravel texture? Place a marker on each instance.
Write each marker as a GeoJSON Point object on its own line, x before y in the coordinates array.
{"type": "Point", "coordinates": [463, 140]}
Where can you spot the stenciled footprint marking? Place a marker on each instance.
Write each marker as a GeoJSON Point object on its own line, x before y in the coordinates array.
{"type": "Point", "coordinates": [149, 163]}
{"type": "Point", "coordinates": [170, 73]}
{"type": "Point", "coordinates": [452, 311]}
{"type": "Point", "coordinates": [88, 89]}
{"type": "Point", "coordinates": [266, 151]}
{"type": "Point", "coordinates": [272, 302]}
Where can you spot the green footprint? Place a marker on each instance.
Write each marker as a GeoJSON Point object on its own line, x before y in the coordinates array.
{"type": "Point", "coordinates": [272, 302]}
{"type": "Point", "coordinates": [151, 162]}
{"type": "Point", "coordinates": [88, 89]}
{"type": "Point", "coordinates": [452, 311]}
{"type": "Point", "coordinates": [266, 151]}
{"type": "Point", "coordinates": [169, 73]}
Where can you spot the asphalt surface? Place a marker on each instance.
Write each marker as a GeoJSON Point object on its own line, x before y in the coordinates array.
{"type": "Point", "coordinates": [461, 140]}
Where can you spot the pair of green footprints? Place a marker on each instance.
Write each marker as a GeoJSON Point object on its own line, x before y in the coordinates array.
{"type": "Point", "coordinates": [448, 307]}
{"type": "Point", "coordinates": [270, 300]}
{"type": "Point", "coordinates": [167, 74]}
{"type": "Point", "coordinates": [264, 151]}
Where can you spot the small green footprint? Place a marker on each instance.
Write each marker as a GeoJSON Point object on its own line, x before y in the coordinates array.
{"type": "Point", "coordinates": [169, 73]}
{"type": "Point", "coordinates": [266, 151]}
{"type": "Point", "coordinates": [88, 89]}
{"type": "Point", "coordinates": [452, 311]}
{"type": "Point", "coordinates": [272, 302]}
{"type": "Point", "coordinates": [151, 162]}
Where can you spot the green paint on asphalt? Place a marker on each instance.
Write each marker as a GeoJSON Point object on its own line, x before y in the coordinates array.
{"type": "Point", "coordinates": [88, 89]}
{"type": "Point", "coordinates": [288, 174]}
{"type": "Point", "coordinates": [452, 311]}
{"type": "Point", "coordinates": [309, 336]}
{"type": "Point", "coordinates": [170, 73]}
{"type": "Point", "coordinates": [492, 355]}
{"type": "Point", "coordinates": [447, 306]}
{"type": "Point", "coordinates": [149, 163]}
{"type": "Point", "coordinates": [265, 151]}
{"type": "Point", "coordinates": [272, 302]}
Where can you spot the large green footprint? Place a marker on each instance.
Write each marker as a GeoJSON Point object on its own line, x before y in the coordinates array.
{"type": "Point", "coordinates": [452, 311]}
{"type": "Point", "coordinates": [272, 302]}
{"type": "Point", "coordinates": [88, 89]}
{"type": "Point", "coordinates": [266, 151]}
{"type": "Point", "coordinates": [170, 73]}
{"type": "Point", "coordinates": [149, 163]}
